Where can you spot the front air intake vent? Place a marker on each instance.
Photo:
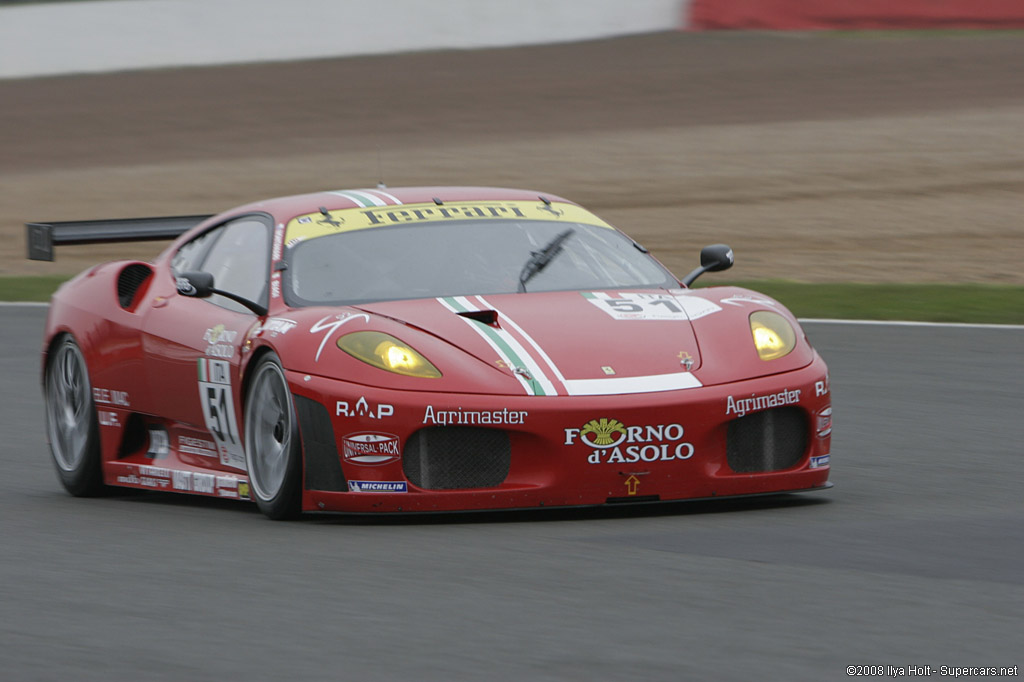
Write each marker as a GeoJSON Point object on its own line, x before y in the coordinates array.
{"type": "Point", "coordinates": [129, 282]}
{"type": "Point", "coordinates": [772, 440]}
{"type": "Point", "coordinates": [455, 457]}
{"type": "Point", "coordinates": [323, 468]}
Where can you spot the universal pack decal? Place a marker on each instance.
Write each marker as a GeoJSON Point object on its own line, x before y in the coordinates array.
{"type": "Point", "coordinates": [370, 448]}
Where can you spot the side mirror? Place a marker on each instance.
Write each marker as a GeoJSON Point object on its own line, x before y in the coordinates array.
{"type": "Point", "coordinates": [195, 284]}
{"type": "Point", "coordinates": [200, 285]}
{"type": "Point", "coordinates": [714, 258]}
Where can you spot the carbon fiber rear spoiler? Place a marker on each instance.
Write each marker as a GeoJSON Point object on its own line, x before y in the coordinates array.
{"type": "Point", "coordinates": [41, 238]}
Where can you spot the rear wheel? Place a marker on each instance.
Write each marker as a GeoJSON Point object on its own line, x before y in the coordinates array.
{"type": "Point", "coordinates": [272, 448]}
{"type": "Point", "coordinates": [71, 424]}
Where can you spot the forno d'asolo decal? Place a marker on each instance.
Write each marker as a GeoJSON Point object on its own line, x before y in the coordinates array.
{"type": "Point", "coordinates": [614, 442]}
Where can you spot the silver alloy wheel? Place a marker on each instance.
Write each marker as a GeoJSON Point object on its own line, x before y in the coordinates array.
{"type": "Point", "coordinates": [68, 406]}
{"type": "Point", "coordinates": [268, 431]}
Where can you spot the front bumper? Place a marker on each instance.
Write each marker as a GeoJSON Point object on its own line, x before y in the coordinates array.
{"type": "Point", "coordinates": [376, 450]}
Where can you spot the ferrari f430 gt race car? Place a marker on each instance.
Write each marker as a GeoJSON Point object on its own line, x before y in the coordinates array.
{"type": "Point", "coordinates": [421, 349]}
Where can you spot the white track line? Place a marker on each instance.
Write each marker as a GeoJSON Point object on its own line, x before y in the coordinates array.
{"type": "Point", "coordinates": [803, 320]}
{"type": "Point", "coordinates": [907, 323]}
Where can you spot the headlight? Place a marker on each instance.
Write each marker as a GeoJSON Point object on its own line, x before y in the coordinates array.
{"type": "Point", "coordinates": [773, 335]}
{"type": "Point", "coordinates": [386, 352]}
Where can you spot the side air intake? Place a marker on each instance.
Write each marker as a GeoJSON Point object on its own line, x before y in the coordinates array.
{"type": "Point", "coordinates": [130, 282]}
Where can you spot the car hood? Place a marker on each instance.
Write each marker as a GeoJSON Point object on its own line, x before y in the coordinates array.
{"type": "Point", "coordinates": [599, 342]}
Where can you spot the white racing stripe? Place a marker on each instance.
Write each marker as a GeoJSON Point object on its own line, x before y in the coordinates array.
{"type": "Point", "coordinates": [486, 336]}
{"type": "Point", "coordinates": [363, 198]}
{"type": "Point", "coordinates": [525, 359]}
{"type": "Point", "coordinates": [386, 195]}
{"type": "Point", "coordinates": [601, 386]}
{"type": "Point", "coordinates": [529, 339]}
{"type": "Point", "coordinates": [619, 385]}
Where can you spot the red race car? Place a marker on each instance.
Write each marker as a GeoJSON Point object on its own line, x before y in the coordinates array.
{"type": "Point", "coordinates": [421, 349]}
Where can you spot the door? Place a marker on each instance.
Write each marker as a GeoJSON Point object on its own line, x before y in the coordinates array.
{"type": "Point", "coordinates": [193, 348]}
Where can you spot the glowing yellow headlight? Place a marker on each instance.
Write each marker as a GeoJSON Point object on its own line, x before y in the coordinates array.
{"type": "Point", "coordinates": [386, 352]}
{"type": "Point", "coordinates": [773, 335]}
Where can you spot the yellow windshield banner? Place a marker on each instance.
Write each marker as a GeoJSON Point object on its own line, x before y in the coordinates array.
{"type": "Point", "coordinates": [320, 224]}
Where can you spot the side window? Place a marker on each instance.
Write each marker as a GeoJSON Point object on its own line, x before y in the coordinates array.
{"type": "Point", "coordinates": [188, 256]}
{"type": "Point", "coordinates": [239, 261]}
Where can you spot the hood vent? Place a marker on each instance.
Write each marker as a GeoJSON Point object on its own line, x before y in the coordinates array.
{"type": "Point", "coordinates": [488, 317]}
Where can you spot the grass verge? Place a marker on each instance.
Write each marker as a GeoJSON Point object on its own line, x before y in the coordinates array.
{"type": "Point", "coordinates": [977, 303]}
{"type": "Point", "coordinates": [974, 303]}
{"type": "Point", "coordinates": [38, 288]}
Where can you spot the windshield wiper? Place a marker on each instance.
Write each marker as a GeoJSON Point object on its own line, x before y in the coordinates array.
{"type": "Point", "coordinates": [540, 259]}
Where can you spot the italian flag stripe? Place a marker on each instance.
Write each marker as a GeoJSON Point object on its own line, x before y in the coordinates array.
{"type": "Point", "coordinates": [498, 343]}
{"type": "Point", "coordinates": [202, 369]}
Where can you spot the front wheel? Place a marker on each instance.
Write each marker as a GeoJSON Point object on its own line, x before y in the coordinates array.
{"type": "Point", "coordinates": [272, 448]}
{"type": "Point", "coordinates": [71, 424]}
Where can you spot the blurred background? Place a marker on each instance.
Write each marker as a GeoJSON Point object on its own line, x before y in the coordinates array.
{"type": "Point", "coordinates": [874, 153]}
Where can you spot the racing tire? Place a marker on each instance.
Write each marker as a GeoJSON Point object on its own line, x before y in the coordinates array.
{"type": "Point", "coordinates": [71, 424]}
{"type": "Point", "coordinates": [273, 452]}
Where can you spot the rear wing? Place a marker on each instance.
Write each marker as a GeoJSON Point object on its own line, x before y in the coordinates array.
{"type": "Point", "coordinates": [41, 238]}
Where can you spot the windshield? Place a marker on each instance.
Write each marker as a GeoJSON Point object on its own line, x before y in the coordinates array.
{"type": "Point", "coordinates": [460, 258]}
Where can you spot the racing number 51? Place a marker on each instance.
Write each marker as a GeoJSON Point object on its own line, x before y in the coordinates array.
{"type": "Point", "coordinates": [217, 399]}
{"type": "Point", "coordinates": [630, 307]}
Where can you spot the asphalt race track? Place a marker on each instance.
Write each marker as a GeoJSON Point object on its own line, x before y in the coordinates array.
{"type": "Point", "coordinates": [915, 558]}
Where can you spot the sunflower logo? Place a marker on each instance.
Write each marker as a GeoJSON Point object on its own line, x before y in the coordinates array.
{"type": "Point", "coordinates": [601, 432]}
{"type": "Point", "coordinates": [214, 333]}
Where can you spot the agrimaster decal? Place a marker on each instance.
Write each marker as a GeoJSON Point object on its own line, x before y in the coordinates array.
{"type": "Point", "coordinates": [458, 416]}
{"type": "Point", "coordinates": [219, 411]}
{"type": "Point", "coordinates": [756, 403]}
